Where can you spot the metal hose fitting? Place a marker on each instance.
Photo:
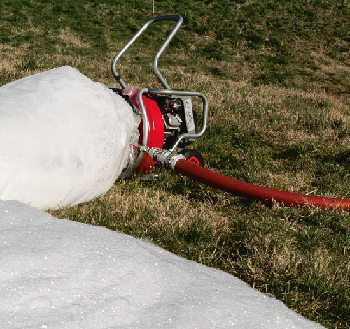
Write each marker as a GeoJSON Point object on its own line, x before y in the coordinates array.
{"type": "Point", "coordinates": [164, 157]}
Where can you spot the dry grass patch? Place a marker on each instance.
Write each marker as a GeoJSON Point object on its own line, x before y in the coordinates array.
{"type": "Point", "coordinates": [297, 182]}
{"type": "Point", "coordinates": [144, 208]}
{"type": "Point", "coordinates": [10, 59]}
{"type": "Point", "coordinates": [72, 39]}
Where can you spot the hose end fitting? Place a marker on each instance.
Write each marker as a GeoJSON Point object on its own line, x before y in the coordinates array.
{"type": "Point", "coordinates": [164, 157]}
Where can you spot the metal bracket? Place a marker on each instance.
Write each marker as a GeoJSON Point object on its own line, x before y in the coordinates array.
{"type": "Point", "coordinates": [173, 92]}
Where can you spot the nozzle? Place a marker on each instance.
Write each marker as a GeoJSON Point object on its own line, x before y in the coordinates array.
{"type": "Point", "coordinates": [164, 157]}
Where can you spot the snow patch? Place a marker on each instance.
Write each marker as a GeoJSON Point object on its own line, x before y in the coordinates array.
{"type": "Point", "coordinates": [61, 274]}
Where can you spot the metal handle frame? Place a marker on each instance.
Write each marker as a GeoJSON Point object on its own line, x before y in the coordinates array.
{"type": "Point", "coordinates": [177, 18]}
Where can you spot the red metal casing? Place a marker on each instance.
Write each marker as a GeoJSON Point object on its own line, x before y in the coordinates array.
{"type": "Point", "coordinates": [155, 132]}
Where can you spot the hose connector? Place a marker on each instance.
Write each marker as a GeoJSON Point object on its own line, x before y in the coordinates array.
{"type": "Point", "coordinates": [164, 157]}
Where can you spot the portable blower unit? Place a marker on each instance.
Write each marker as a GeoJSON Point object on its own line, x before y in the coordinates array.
{"type": "Point", "coordinates": [168, 122]}
{"type": "Point", "coordinates": [167, 118]}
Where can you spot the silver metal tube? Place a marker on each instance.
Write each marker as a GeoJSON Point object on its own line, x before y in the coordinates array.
{"type": "Point", "coordinates": [145, 126]}
{"type": "Point", "coordinates": [145, 122]}
{"type": "Point", "coordinates": [163, 46]}
{"type": "Point", "coordinates": [177, 18]}
{"type": "Point", "coordinates": [171, 92]}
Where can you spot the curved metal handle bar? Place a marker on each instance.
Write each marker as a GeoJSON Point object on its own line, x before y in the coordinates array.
{"type": "Point", "coordinates": [170, 92]}
{"type": "Point", "coordinates": [145, 122]}
{"type": "Point", "coordinates": [177, 18]}
{"type": "Point", "coordinates": [145, 127]}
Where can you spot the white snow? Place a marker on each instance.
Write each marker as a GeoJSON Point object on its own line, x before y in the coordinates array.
{"type": "Point", "coordinates": [60, 274]}
{"type": "Point", "coordinates": [64, 139]}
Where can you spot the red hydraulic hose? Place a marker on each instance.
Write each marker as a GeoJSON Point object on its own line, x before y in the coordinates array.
{"type": "Point", "coordinates": [252, 191]}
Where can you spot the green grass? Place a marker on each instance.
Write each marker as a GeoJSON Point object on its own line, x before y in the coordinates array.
{"type": "Point", "coordinates": [277, 77]}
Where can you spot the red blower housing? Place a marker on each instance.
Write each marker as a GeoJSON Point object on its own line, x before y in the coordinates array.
{"type": "Point", "coordinates": [155, 132]}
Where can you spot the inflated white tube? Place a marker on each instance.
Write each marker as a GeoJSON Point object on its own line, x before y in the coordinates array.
{"type": "Point", "coordinates": [64, 139]}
